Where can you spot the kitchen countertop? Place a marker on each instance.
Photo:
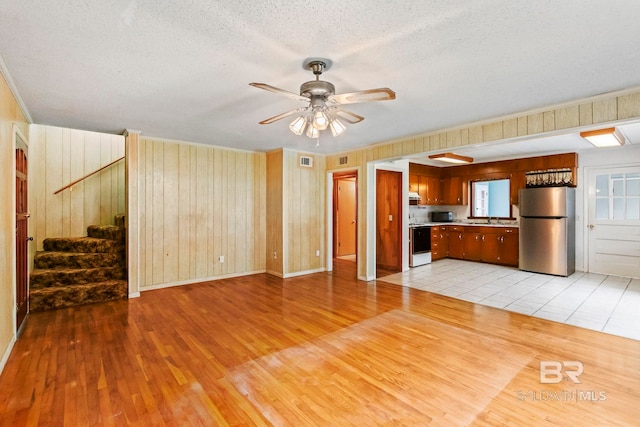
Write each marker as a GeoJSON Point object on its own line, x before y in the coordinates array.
{"type": "Point", "coordinates": [466, 224]}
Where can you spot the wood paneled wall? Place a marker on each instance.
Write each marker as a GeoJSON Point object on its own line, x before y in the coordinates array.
{"type": "Point", "coordinates": [10, 115]}
{"type": "Point", "coordinates": [198, 203]}
{"type": "Point", "coordinates": [60, 156]}
{"type": "Point", "coordinates": [295, 214]}
{"type": "Point", "coordinates": [304, 193]}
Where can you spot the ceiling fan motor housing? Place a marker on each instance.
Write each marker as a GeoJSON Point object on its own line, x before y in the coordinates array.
{"type": "Point", "coordinates": [318, 88]}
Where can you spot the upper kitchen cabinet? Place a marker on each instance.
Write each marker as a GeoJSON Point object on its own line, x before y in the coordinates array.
{"type": "Point", "coordinates": [454, 190]}
{"type": "Point", "coordinates": [517, 179]}
{"type": "Point", "coordinates": [425, 180]}
{"type": "Point", "coordinates": [514, 170]}
{"type": "Point", "coordinates": [450, 185]}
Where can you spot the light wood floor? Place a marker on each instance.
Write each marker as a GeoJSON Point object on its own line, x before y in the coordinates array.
{"type": "Point", "coordinates": [322, 349]}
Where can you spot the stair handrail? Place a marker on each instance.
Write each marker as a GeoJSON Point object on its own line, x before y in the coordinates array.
{"type": "Point", "coordinates": [87, 176]}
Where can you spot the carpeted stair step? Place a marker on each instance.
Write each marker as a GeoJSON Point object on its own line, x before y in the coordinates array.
{"type": "Point", "coordinates": [77, 260]}
{"type": "Point", "coordinates": [82, 244]}
{"type": "Point", "coordinates": [45, 278]}
{"type": "Point", "coordinates": [111, 232]}
{"type": "Point", "coordinates": [67, 296]}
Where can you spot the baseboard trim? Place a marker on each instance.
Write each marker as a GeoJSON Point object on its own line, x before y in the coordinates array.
{"type": "Point", "coordinates": [7, 353]}
{"type": "Point", "coordinates": [275, 273]}
{"type": "Point", "coordinates": [134, 295]}
{"type": "Point", "coordinates": [303, 273]}
{"type": "Point", "coordinates": [199, 280]}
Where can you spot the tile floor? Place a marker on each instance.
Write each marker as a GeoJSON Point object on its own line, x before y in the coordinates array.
{"type": "Point", "coordinates": [609, 304]}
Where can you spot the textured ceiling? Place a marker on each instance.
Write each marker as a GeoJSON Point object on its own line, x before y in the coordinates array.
{"type": "Point", "coordinates": [180, 69]}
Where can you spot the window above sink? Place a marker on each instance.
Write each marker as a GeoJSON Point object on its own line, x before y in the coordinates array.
{"type": "Point", "coordinates": [491, 199]}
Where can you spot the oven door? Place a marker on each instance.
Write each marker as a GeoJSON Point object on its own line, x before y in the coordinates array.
{"type": "Point", "coordinates": [420, 247]}
{"type": "Point", "coordinates": [420, 240]}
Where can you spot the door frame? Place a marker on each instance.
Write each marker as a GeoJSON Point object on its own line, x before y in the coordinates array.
{"type": "Point", "coordinates": [371, 214]}
{"type": "Point", "coordinates": [336, 177]}
{"type": "Point", "coordinates": [330, 214]}
{"type": "Point", "coordinates": [16, 132]}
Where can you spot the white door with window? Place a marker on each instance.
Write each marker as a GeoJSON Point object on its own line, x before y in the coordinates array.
{"type": "Point", "coordinates": [614, 221]}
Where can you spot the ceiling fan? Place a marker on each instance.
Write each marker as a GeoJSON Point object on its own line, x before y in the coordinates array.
{"type": "Point", "coordinates": [324, 109]}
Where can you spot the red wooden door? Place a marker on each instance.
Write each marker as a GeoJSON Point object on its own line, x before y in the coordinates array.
{"type": "Point", "coordinates": [22, 293]}
{"type": "Point", "coordinates": [389, 220]}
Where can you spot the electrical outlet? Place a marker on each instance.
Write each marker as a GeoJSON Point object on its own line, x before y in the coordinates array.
{"type": "Point", "coordinates": [275, 255]}
{"type": "Point", "coordinates": [318, 252]}
{"type": "Point", "coordinates": [221, 258]}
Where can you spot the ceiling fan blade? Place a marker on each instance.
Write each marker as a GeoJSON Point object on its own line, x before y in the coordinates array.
{"type": "Point", "coordinates": [347, 116]}
{"type": "Point", "coordinates": [279, 91]}
{"type": "Point", "coordinates": [380, 94]}
{"type": "Point", "coordinates": [282, 116]}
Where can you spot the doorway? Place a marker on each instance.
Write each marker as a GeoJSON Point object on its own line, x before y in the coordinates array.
{"type": "Point", "coordinates": [345, 215]}
{"type": "Point", "coordinates": [22, 232]}
{"type": "Point", "coordinates": [614, 221]}
{"type": "Point", "coordinates": [388, 222]}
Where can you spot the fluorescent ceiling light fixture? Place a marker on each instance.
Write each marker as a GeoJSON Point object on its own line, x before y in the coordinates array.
{"type": "Point", "coordinates": [451, 158]}
{"type": "Point", "coordinates": [609, 137]}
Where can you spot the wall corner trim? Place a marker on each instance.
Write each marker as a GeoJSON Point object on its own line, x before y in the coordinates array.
{"type": "Point", "coordinates": [14, 89]}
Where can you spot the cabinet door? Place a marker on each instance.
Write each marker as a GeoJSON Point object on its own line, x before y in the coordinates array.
{"type": "Point", "coordinates": [454, 191]}
{"type": "Point", "coordinates": [444, 241]}
{"type": "Point", "coordinates": [517, 182]}
{"type": "Point", "coordinates": [456, 245]}
{"type": "Point", "coordinates": [508, 247]}
{"type": "Point", "coordinates": [490, 243]}
{"type": "Point", "coordinates": [433, 190]}
{"type": "Point", "coordinates": [472, 246]}
{"type": "Point", "coordinates": [413, 182]}
{"type": "Point", "coordinates": [423, 190]}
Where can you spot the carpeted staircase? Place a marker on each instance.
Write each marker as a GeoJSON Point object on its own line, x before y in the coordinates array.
{"type": "Point", "coordinates": [80, 270]}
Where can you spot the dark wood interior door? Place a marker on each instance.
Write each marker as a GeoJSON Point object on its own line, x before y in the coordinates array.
{"type": "Point", "coordinates": [389, 220]}
{"type": "Point", "coordinates": [22, 215]}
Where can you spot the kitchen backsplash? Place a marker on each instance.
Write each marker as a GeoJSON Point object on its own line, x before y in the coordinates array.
{"type": "Point", "coordinates": [460, 213]}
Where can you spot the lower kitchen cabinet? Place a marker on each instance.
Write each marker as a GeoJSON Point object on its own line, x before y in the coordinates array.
{"type": "Point", "coordinates": [439, 242]}
{"type": "Point", "coordinates": [456, 244]}
{"type": "Point", "coordinates": [508, 247]}
{"type": "Point", "coordinates": [472, 239]}
{"type": "Point", "coordinates": [490, 242]}
{"type": "Point", "coordinates": [495, 245]}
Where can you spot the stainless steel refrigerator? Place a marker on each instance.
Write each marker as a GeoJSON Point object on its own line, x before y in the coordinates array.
{"type": "Point", "coordinates": [547, 230]}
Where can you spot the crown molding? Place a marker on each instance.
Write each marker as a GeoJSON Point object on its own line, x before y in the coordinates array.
{"type": "Point", "coordinates": [14, 90]}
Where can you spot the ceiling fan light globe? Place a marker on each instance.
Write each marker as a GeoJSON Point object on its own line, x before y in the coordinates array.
{"type": "Point", "coordinates": [297, 126]}
{"type": "Point", "coordinates": [312, 132]}
{"type": "Point", "coordinates": [337, 127]}
{"type": "Point", "coordinates": [320, 120]}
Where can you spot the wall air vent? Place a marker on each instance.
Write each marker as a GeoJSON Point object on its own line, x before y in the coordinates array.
{"type": "Point", "coordinates": [343, 160]}
{"type": "Point", "coordinates": [306, 161]}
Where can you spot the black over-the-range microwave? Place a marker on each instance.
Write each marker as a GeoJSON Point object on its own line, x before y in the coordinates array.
{"type": "Point", "coordinates": [441, 216]}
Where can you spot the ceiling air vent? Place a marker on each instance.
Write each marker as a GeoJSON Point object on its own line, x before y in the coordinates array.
{"type": "Point", "coordinates": [343, 160]}
{"type": "Point", "coordinates": [306, 161]}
